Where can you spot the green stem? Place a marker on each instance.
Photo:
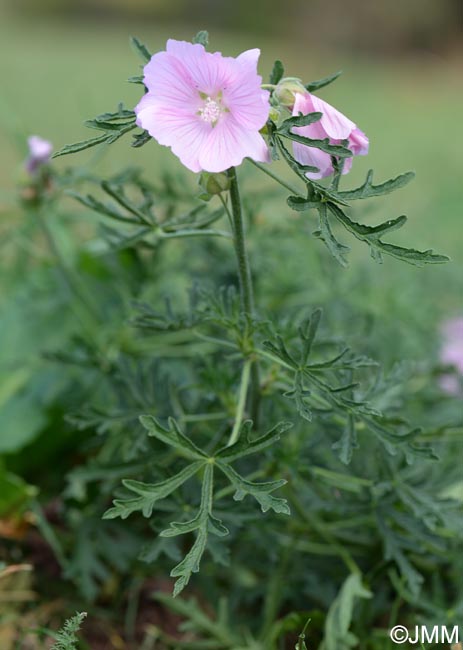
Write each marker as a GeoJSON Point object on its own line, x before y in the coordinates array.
{"type": "Point", "coordinates": [241, 402]}
{"type": "Point", "coordinates": [244, 270]}
{"type": "Point", "coordinates": [246, 292]}
{"type": "Point", "coordinates": [264, 168]}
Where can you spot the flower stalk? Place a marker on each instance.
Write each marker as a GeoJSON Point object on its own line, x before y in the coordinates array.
{"type": "Point", "coordinates": [246, 289]}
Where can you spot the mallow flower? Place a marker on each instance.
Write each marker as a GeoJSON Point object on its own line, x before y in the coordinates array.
{"type": "Point", "coordinates": [333, 125]}
{"type": "Point", "coordinates": [206, 107]}
{"type": "Point", "coordinates": [39, 153]}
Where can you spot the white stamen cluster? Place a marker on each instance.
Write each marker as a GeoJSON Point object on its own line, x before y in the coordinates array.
{"type": "Point", "coordinates": [211, 111]}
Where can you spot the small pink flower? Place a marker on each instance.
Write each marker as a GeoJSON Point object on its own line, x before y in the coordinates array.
{"type": "Point", "coordinates": [207, 107]}
{"type": "Point", "coordinates": [451, 354]}
{"type": "Point", "coordinates": [333, 125]}
{"type": "Point", "coordinates": [39, 153]}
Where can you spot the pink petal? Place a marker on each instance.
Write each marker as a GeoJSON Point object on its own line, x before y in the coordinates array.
{"type": "Point", "coordinates": [335, 124]}
{"type": "Point", "coordinates": [175, 129]}
{"type": "Point", "coordinates": [228, 144]}
{"type": "Point", "coordinates": [358, 142]}
{"type": "Point", "coordinates": [167, 79]}
{"type": "Point", "coordinates": [249, 59]}
{"type": "Point", "coordinates": [314, 157]}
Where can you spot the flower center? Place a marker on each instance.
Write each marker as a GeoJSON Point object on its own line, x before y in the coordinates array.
{"type": "Point", "coordinates": [211, 110]}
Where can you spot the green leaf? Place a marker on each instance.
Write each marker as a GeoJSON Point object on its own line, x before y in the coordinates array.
{"type": "Point", "coordinates": [66, 638]}
{"type": "Point", "coordinates": [260, 491]}
{"type": "Point", "coordinates": [372, 236]}
{"type": "Point", "coordinates": [277, 72]}
{"type": "Point", "coordinates": [80, 146]}
{"type": "Point", "coordinates": [337, 250]}
{"type": "Point", "coordinates": [368, 190]}
{"type": "Point", "coordinates": [298, 120]}
{"type": "Point", "coordinates": [347, 442]}
{"type": "Point", "coordinates": [300, 394]}
{"type": "Point", "coordinates": [202, 37]}
{"type": "Point", "coordinates": [172, 436]}
{"type": "Point", "coordinates": [340, 615]}
{"type": "Point", "coordinates": [245, 446]}
{"type": "Point", "coordinates": [114, 125]}
{"type": "Point", "coordinates": [323, 145]}
{"type": "Point", "coordinates": [393, 551]}
{"type": "Point", "coordinates": [190, 563]}
{"type": "Point", "coordinates": [321, 83]}
{"type": "Point", "coordinates": [139, 139]}
{"type": "Point", "coordinates": [149, 493]}
{"type": "Point", "coordinates": [307, 333]}
{"type": "Point", "coordinates": [140, 49]}
{"type": "Point", "coordinates": [15, 493]}
{"type": "Point", "coordinates": [299, 204]}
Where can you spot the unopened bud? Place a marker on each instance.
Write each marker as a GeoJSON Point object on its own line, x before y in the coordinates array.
{"type": "Point", "coordinates": [286, 90]}
{"type": "Point", "coordinates": [214, 183]}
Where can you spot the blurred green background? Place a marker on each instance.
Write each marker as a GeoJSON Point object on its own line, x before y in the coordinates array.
{"type": "Point", "coordinates": [64, 61]}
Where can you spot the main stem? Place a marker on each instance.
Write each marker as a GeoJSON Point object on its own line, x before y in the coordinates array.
{"type": "Point", "coordinates": [245, 280]}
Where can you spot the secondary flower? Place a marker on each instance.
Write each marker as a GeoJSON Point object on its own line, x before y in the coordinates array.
{"type": "Point", "coordinates": [333, 125]}
{"type": "Point", "coordinates": [207, 107]}
{"type": "Point", "coordinates": [451, 354]}
{"type": "Point", "coordinates": [39, 153]}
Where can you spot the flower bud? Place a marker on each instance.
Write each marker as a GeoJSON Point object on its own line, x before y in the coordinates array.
{"type": "Point", "coordinates": [214, 183]}
{"type": "Point", "coordinates": [286, 90]}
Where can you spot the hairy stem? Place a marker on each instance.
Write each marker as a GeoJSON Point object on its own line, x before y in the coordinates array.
{"type": "Point", "coordinates": [241, 402]}
{"type": "Point", "coordinates": [246, 291]}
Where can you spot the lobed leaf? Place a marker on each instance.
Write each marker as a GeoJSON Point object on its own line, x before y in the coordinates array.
{"type": "Point", "coordinates": [149, 493]}
{"type": "Point", "coordinates": [260, 491]}
{"type": "Point", "coordinates": [368, 190]}
{"type": "Point", "coordinates": [245, 446]}
{"type": "Point", "coordinates": [140, 49]}
{"type": "Point", "coordinates": [172, 436]}
{"type": "Point", "coordinates": [321, 83]}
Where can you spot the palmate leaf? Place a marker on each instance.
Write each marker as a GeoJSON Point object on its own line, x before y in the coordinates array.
{"type": "Point", "coordinates": [204, 522]}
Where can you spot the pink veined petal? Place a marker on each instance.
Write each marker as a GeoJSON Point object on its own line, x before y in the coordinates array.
{"type": "Point", "coordinates": [358, 142]}
{"type": "Point", "coordinates": [250, 59]}
{"type": "Point", "coordinates": [207, 72]}
{"type": "Point", "coordinates": [303, 104]}
{"type": "Point", "coordinates": [228, 144]}
{"type": "Point", "coordinates": [249, 105]}
{"type": "Point", "coordinates": [166, 78]}
{"type": "Point", "coordinates": [335, 124]}
{"type": "Point", "coordinates": [175, 129]}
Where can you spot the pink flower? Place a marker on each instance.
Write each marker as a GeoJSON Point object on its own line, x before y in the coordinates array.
{"type": "Point", "coordinates": [333, 125]}
{"type": "Point", "coordinates": [451, 354]}
{"type": "Point", "coordinates": [39, 153]}
{"type": "Point", "coordinates": [207, 107]}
